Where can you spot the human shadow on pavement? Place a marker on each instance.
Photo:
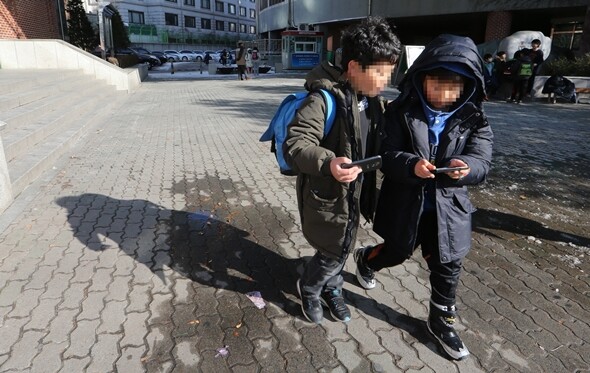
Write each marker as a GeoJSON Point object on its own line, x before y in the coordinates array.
{"type": "Point", "coordinates": [203, 244]}
{"type": "Point", "coordinates": [484, 219]}
{"type": "Point", "coordinates": [197, 245]}
{"type": "Point", "coordinates": [415, 327]}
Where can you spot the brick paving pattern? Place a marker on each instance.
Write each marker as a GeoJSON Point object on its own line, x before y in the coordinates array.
{"type": "Point", "coordinates": [138, 252]}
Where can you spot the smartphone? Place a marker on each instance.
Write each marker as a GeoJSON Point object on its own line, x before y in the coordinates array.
{"type": "Point", "coordinates": [367, 164]}
{"type": "Point", "coordinates": [441, 170]}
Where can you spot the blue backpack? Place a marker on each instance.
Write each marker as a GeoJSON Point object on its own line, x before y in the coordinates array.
{"type": "Point", "coordinates": [277, 129]}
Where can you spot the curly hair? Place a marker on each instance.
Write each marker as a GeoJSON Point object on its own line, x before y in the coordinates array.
{"type": "Point", "coordinates": [369, 42]}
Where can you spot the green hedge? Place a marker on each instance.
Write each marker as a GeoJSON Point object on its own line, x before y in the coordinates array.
{"type": "Point", "coordinates": [579, 66]}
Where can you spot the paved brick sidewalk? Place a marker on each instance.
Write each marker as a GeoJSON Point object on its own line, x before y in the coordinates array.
{"type": "Point", "coordinates": [138, 253]}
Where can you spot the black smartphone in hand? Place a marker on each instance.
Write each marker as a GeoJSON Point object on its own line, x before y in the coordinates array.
{"type": "Point", "coordinates": [442, 170]}
{"type": "Point", "coordinates": [367, 164]}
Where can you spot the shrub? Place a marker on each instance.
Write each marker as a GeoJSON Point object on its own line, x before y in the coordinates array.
{"type": "Point", "coordinates": [579, 66]}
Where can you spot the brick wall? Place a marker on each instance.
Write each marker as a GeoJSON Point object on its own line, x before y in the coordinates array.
{"type": "Point", "coordinates": [498, 25]}
{"type": "Point", "coordinates": [29, 19]}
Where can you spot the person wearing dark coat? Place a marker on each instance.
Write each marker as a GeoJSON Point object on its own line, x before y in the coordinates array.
{"type": "Point", "coordinates": [560, 87]}
{"type": "Point", "coordinates": [437, 121]}
{"type": "Point", "coordinates": [207, 58]}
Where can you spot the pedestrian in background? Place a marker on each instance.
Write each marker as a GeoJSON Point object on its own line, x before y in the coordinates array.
{"type": "Point", "coordinates": [491, 81]}
{"type": "Point", "coordinates": [437, 121]}
{"type": "Point", "coordinates": [207, 58]}
{"type": "Point", "coordinates": [249, 64]}
{"type": "Point", "coordinates": [241, 61]}
{"type": "Point", "coordinates": [535, 55]}
{"type": "Point", "coordinates": [328, 195]}
{"type": "Point", "coordinates": [223, 57]}
{"type": "Point", "coordinates": [255, 61]}
{"type": "Point", "coordinates": [502, 75]}
{"type": "Point", "coordinates": [523, 70]}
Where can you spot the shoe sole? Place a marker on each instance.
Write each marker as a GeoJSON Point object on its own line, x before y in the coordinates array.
{"type": "Point", "coordinates": [457, 355]}
{"type": "Point", "coordinates": [325, 304]}
{"type": "Point", "coordinates": [302, 309]}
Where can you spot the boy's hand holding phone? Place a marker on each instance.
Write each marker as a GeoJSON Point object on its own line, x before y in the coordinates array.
{"type": "Point", "coordinates": [457, 169]}
{"type": "Point", "coordinates": [344, 175]}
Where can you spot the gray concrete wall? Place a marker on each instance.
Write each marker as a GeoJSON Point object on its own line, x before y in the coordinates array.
{"type": "Point", "coordinates": [57, 54]}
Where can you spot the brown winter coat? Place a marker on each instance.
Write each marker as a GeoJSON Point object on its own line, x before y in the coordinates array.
{"type": "Point", "coordinates": [330, 210]}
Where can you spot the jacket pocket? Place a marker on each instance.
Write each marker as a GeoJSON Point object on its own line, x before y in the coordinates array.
{"type": "Point", "coordinates": [322, 193]}
{"type": "Point", "coordinates": [463, 203]}
{"type": "Point", "coordinates": [324, 225]}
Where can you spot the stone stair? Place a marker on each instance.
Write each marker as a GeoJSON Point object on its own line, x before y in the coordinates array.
{"type": "Point", "coordinates": [45, 112]}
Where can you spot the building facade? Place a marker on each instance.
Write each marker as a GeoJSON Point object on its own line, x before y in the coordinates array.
{"type": "Point", "coordinates": [185, 23]}
{"type": "Point", "coordinates": [567, 22]}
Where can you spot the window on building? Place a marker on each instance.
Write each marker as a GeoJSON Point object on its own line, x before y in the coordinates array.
{"type": "Point", "coordinates": [242, 28]}
{"type": "Point", "coordinates": [206, 4]}
{"type": "Point", "coordinates": [305, 47]}
{"type": "Point", "coordinates": [190, 22]}
{"type": "Point", "coordinates": [206, 23]}
{"type": "Point", "coordinates": [242, 11]}
{"type": "Point", "coordinates": [219, 25]}
{"type": "Point", "coordinates": [189, 2]}
{"type": "Point", "coordinates": [172, 1]}
{"type": "Point", "coordinates": [136, 17]}
{"type": "Point", "coordinates": [266, 3]}
{"type": "Point", "coordinates": [219, 6]}
{"type": "Point", "coordinates": [252, 13]}
{"type": "Point", "coordinates": [231, 8]}
{"type": "Point", "coordinates": [253, 29]}
{"type": "Point", "coordinates": [171, 19]}
{"type": "Point", "coordinates": [567, 34]}
{"type": "Point", "coordinates": [231, 27]}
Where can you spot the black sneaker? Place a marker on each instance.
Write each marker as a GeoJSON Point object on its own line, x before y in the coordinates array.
{"type": "Point", "coordinates": [441, 326]}
{"type": "Point", "coordinates": [364, 275]}
{"type": "Point", "coordinates": [312, 308]}
{"type": "Point", "coordinates": [335, 302]}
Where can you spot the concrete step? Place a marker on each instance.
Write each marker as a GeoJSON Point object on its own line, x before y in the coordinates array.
{"type": "Point", "coordinates": [46, 112]}
{"type": "Point", "coordinates": [18, 140]}
{"type": "Point", "coordinates": [20, 87]}
{"type": "Point", "coordinates": [26, 168]}
{"type": "Point", "coordinates": [10, 103]}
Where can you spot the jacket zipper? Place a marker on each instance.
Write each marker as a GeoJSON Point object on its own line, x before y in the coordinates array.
{"type": "Point", "coordinates": [421, 188]}
{"type": "Point", "coordinates": [352, 214]}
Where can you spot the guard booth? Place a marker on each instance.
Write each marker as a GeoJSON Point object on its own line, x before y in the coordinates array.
{"type": "Point", "coordinates": [302, 49]}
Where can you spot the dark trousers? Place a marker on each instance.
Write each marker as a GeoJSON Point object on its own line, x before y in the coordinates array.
{"type": "Point", "coordinates": [242, 71]}
{"type": "Point", "coordinates": [444, 277]}
{"type": "Point", "coordinates": [519, 89]}
{"type": "Point", "coordinates": [531, 82]}
{"type": "Point", "coordinates": [322, 274]}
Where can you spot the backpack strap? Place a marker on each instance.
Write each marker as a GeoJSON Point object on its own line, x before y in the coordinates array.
{"type": "Point", "coordinates": [330, 101]}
